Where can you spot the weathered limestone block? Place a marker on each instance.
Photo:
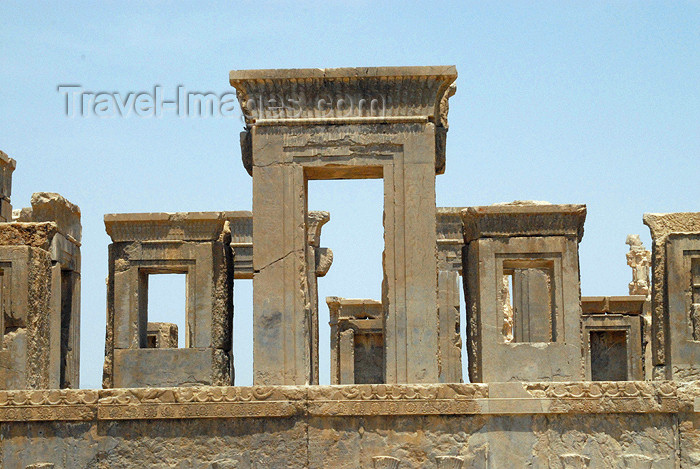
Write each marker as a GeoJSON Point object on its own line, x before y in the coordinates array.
{"type": "Point", "coordinates": [53, 207]}
{"type": "Point", "coordinates": [196, 245]}
{"type": "Point", "coordinates": [357, 341]}
{"type": "Point", "coordinates": [162, 335]}
{"type": "Point", "coordinates": [65, 255]}
{"type": "Point", "coordinates": [613, 337]}
{"type": "Point", "coordinates": [7, 167]}
{"type": "Point", "coordinates": [284, 147]}
{"type": "Point", "coordinates": [536, 246]}
{"type": "Point", "coordinates": [676, 239]}
{"type": "Point", "coordinates": [26, 319]}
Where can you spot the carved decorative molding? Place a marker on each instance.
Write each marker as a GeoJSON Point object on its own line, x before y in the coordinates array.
{"type": "Point", "coordinates": [63, 404]}
{"type": "Point", "coordinates": [351, 400]}
{"type": "Point", "coordinates": [523, 219]}
{"type": "Point", "coordinates": [603, 389]}
{"type": "Point", "coordinates": [344, 95]}
{"type": "Point", "coordinates": [449, 462]}
{"type": "Point", "coordinates": [190, 226]}
{"type": "Point", "coordinates": [385, 462]}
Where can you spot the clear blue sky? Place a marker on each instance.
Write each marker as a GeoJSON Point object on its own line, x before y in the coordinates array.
{"type": "Point", "coordinates": [570, 102]}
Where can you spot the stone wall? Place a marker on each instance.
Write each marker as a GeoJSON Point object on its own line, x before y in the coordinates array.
{"type": "Point", "coordinates": [539, 425]}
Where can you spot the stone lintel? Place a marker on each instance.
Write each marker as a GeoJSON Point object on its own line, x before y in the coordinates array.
{"type": "Point", "coordinates": [629, 305]}
{"type": "Point", "coordinates": [180, 226]}
{"type": "Point", "coordinates": [344, 95]}
{"type": "Point", "coordinates": [38, 235]}
{"type": "Point", "coordinates": [343, 309]}
{"type": "Point", "coordinates": [518, 219]}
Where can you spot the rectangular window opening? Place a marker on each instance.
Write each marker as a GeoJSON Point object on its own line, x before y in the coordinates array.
{"type": "Point", "coordinates": [369, 359]}
{"type": "Point", "coordinates": [527, 301]}
{"type": "Point", "coordinates": [608, 349]}
{"type": "Point", "coordinates": [166, 313]}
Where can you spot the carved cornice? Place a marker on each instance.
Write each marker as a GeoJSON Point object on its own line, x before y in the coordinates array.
{"type": "Point", "coordinates": [189, 226]}
{"type": "Point", "coordinates": [629, 305]}
{"type": "Point", "coordinates": [344, 95]}
{"type": "Point", "coordinates": [663, 224]}
{"type": "Point", "coordinates": [205, 402]}
{"type": "Point", "coordinates": [523, 219]}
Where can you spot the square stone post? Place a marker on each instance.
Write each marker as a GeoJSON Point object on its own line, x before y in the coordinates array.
{"type": "Point", "coordinates": [319, 260]}
{"type": "Point", "coordinates": [675, 318]}
{"type": "Point", "coordinates": [340, 124]}
{"type": "Point", "coordinates": [450, 244]}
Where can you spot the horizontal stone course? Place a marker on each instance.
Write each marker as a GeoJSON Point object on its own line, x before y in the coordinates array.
{"type": "Point", "coordinates": [351, 400]}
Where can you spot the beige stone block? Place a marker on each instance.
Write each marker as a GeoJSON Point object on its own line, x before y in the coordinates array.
{"type": "Point", "coordinates": [52, 207]}
{"type": "Point", "coordinates": [661, 225]}
{"type": "Point", "coordinates": [5, 210]}
{"type": "Point", "coordinates": [134, 368]}
{"type": "Point", "coordinates": [7, 167]}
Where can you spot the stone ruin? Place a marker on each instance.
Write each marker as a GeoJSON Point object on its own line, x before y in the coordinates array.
{"type": "Point", "coordinates": [555, 380]}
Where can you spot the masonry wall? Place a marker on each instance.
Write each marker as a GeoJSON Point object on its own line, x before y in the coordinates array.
{"type": "Point", "coordinates": [558, 425]}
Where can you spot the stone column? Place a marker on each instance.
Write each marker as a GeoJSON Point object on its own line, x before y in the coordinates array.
{"type": "Point", "coordinates": [449, 284]}
{"type": "Point", "coordinates": [28, 339]}
{"type": "Point", "coordinates": [319, 260]}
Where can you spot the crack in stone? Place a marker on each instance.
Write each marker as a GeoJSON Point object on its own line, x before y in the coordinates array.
{"type": "Point", "coordinates": [277, 260]}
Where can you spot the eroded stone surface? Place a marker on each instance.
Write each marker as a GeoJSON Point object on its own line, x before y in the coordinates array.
{"type": "Point", "coordinates": [609, 424]}
{"type": "Point", "coordinates": [536, 246]}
